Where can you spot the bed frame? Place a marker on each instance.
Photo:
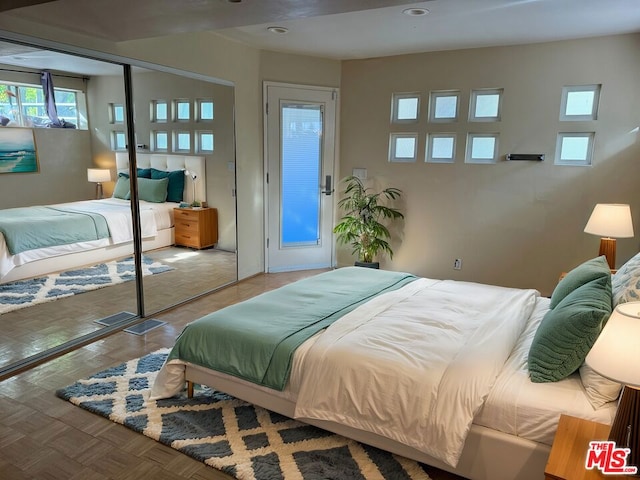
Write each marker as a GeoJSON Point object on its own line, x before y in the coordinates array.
{"type": "Point", "coordinates": [164, 237]}
{"type": "Point", "coordinates": [487, 455]}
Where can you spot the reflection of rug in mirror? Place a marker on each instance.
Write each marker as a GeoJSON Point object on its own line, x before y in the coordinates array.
{"type": "Point", "coordinates": [235, 437]}
{"type": "Point", "coordinates": [25, 293]}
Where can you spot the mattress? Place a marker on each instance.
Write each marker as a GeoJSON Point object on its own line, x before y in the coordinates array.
{"type": "Point", "coordinates": [530, 410]}
{"type": "Point", "coordinates": [159, 217]}
{"type": "Point", "coordinates": [515, 405]}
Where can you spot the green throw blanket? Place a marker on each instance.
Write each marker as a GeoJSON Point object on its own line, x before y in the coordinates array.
{"type": "Point", "coordinates": [255, 340]}
{"type": "Point", "coordinates": [28, 228]}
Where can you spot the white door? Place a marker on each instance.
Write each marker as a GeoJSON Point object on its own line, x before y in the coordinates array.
{"type": "Point", "coordinates": [300, 129]}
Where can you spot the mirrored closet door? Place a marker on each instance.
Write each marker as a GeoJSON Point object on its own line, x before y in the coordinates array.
{"type": "Point", "coordinates": [64, 164]}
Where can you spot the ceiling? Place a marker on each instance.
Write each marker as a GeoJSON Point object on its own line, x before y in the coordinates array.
{"type": "Point", "coordinates": [337, 29]}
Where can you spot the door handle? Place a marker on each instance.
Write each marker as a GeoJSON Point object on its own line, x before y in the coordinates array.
{"type": "Point", "coordinates": [327, 186]}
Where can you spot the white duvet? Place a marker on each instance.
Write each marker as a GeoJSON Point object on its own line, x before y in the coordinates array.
{"type": "Point", "coordinates": [416, 364]}
{"type": "Point", "coordinates": [117, 214]}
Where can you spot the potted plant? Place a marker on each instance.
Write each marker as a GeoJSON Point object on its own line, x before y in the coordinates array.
{"type": "Point", "coordinates": [360, 226]}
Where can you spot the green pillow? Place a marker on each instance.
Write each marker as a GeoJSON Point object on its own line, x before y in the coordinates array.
{"type": "Point", "coordinates": [151, 190]}
{"type": "Point", "coordinates": [584, 273]}
{"type": "Point", "coordinates": [567, 333]}
{"type": "Point", "coordinates": [175, 189]}
{"type": "Point", "coordinates": [121, 189]}
{"type": "Point", "coordinates": [143, 172]}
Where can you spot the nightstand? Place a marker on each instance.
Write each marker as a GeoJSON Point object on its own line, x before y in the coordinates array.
{"type": "Point", "coordinates": [196, 227]}
{"type": "Point", "coordinates": [569, 452]}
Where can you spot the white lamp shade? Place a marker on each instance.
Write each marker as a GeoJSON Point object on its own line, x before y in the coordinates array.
{"type": "Point", "coordinates": [98, 175]}
{"type": "Point", "coordinates": [610, 220]}
{"type": "Point", "coordinates": [616, 353]}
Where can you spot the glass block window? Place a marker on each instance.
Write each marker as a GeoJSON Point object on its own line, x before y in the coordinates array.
{"type": "Point", "coordinates": [116, 113]}
{"type": "Point", "coordinates": [159, 141]}
{"type": "Point", "coordinates": [118, 140]}
{"type": "Point", "coordinates": [482, 148]}
{"type": "Point", "coordinates": [182, 110]}
{"type": "Point", "coordinates": [441, 148]}
{"type": "Point", "coordinates": [405, 107]}
{"type": "Point", "coordinates": [204, 142]}
{"type": "Point", "coordinates": [574, 148]}
{"type": "Point", "coordinates": [205, 109]}
{"type": "Point", "coordinates": [443, 106]}
{"type": "Point", "coordinates": [579, 102]}
{"type": "Point", "coordinates": [485, 105]}
{"type": "Point", "coordinates": [403, 147]}
{"type": "Point", "coordinates": [182, 142]}
{"type": "Point", "coordinates": [159, 111]}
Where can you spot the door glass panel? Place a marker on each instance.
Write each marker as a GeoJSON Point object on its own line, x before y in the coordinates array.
{"type": "Point", "coordinates": [301, 159]}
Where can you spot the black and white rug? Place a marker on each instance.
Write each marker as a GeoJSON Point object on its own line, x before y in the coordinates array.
{"type": "Point", "coordinates": [245, 441]}
{"type": "Point", "coordinates": [24, 293]}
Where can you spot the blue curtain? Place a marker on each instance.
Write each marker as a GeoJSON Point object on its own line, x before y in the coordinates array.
{"type": "Point", "coordinates": [50, 102]}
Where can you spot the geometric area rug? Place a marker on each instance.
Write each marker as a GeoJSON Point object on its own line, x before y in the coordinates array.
{"type": "Point", "coordinates": [25, 293]}
{"type": "Point", "coordinates": [245, 441]}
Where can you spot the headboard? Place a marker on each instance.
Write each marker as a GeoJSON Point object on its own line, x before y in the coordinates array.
{"type": "Point", "coordinates": [169, 163]}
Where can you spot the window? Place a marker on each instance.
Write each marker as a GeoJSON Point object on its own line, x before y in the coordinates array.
{"type": "Point", "coordinates": [485, 105]}
{"type": "Point", "coordinates": [182, 142]}
{"type": "Point", "coordinates": [579, 102]}
{"type": "Point", "coordinates": [441, 148]}
{"type": "Point", "coordinates": [405, 107]}
{"type": "Point", "coordinates": [482, 148]}
{"type": "Point", "coordinates": [182, 110]}
{"type": "Point", "coordinates": [118, 140]}
{"type": "Point", "coordinates": [116, 113]}
{"type": "Point", "coordinates": [574, 148]}
{"type": "Point", "coordinates": [159, 111]}
{"type": "Point", "coordinates": [403, 147]}
{"type": "Point", "coordinates": [205, 109]}
{"type": "Point", "coordinates": [23, 105]}
{"type": "Point", "coordinates": [159, 141]}
{"type": "Point", "coordinates": [204, 141]}
{"type": "Point", "coordinates": [443, 106]}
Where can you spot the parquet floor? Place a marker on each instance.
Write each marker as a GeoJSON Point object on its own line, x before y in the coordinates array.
{"type": "Point", "coordinates": [45, 438]}
{"type": "Point", "coordinates": [31, 330]}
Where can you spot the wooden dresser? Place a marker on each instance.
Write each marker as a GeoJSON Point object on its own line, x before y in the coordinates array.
{"type": "Point", "coordinates": [196, 227]}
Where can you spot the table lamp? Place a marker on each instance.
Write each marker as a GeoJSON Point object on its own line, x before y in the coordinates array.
{"type": "Point", "coordinates": [616, 355]}
{"type": "Point", "coordinates": [98, 176]}
{"type": "Point", "coordinates": [610, 221]}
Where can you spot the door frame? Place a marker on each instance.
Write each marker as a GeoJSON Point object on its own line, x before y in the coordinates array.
{"type": "Point", "coordinates": [265, 155]}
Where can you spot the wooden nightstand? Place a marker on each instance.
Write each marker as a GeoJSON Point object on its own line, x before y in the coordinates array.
{"type": "Point", "coordinates": [196, 227]}
{"type": "Point", "coordinates": [569, 451]}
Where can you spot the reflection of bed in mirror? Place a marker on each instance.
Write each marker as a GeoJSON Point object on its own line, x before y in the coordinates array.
{"type": "Point", "coordinates": [115, 213]}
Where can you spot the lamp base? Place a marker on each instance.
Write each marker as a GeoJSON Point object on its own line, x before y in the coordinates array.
{"type": "Point", "coordinates": [608, 249]}
{"type": "Point", "coordinates": [625, 430]}
{"type": "Point", "coordinates": [99, 193]}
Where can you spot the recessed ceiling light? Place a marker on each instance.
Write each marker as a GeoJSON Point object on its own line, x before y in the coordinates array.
{"type": "Point", "coordinates": [415, 12]}
{"type": "Point", "coordinates": [279, 30]}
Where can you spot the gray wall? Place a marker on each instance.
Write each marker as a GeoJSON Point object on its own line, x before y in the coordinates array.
{"type": "Point", "coordinates": [513, 223]}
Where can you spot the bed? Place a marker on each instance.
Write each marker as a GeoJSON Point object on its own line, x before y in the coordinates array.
{"type": "Point", "coordinates": [156, 223]}
{"type": "Point", "coordinates": [439, 371]}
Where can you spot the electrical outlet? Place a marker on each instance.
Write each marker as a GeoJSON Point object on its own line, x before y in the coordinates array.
{"type": "Point", "coordinates": [457, 264]}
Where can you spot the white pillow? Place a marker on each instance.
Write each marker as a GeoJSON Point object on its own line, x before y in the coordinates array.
{"type": "Point", "coordinates": [625, 283]}
{"type": "Point", "coordinates": [600, 390]}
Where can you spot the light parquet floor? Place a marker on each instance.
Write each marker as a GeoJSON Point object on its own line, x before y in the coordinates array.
{"type": "Point", "coordinates": [34, 329]}
{"type": "Point", "coordinates": [44, 437]}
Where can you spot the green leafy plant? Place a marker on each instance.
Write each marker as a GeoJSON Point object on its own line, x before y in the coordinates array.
{"type": "Point", "coordinates": [360, 226]}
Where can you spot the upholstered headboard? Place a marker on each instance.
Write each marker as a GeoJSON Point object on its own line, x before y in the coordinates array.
{"type": "Point", "coordinates": [169, 163]}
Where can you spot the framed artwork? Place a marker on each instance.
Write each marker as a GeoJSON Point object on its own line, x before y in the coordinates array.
{"type": "Point", "coordinates": [17, 150]}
